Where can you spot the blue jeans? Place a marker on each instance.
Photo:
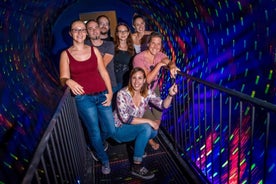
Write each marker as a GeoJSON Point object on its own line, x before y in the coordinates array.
{"type": "Point", "coordinates": [141, 133]}
{"type": "Point", "coordinates": [98, 120]}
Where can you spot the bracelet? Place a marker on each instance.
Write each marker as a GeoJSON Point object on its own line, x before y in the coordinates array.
{"type": "Point", "coordinates": [171, 95]}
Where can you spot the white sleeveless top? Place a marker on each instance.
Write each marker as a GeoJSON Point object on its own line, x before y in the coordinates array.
{"type": "Point", "coordinates": [137, 48]}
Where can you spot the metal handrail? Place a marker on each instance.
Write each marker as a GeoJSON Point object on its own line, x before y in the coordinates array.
{"type": "Point", "coordinates": [218, 130]}
{"type": "Point", "coordinates": [208, 124]}
{"type": "Point", "coordinates": [232, 92]}
{"type": "Point", "coordinates": [61, 156]}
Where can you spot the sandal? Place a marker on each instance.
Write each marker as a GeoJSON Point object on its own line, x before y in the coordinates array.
{"type": "Point", "coordinates": [154, 144]}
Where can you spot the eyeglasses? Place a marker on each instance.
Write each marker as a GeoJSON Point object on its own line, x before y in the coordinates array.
{"type": "Point", "coordinates": [122, 31]}
{"type": "Point", "coordinates": [78, 30]}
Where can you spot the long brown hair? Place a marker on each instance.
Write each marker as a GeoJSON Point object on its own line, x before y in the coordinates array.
{"type": "Point", "coordinates": [144, 89]}
{"type": "Point", "coordinates": [130, 47]}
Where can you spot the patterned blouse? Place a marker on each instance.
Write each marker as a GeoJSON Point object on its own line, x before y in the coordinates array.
{"type": "Point", "coordinates": [127, 110]}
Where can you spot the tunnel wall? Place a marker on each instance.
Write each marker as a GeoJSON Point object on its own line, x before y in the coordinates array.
{"type": "Point", "coordinates": [231, 43]}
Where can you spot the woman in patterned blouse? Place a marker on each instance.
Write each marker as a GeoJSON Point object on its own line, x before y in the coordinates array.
{"type": "Point", "coordinates": [132, 102]}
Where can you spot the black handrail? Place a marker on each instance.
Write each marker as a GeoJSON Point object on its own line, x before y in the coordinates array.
{"type": "Point", "coordinates": [61, 156]}
{"type": "Point", "coordinates": [218, 131]}
{"type": "Point", "coordinates": [231, 92]}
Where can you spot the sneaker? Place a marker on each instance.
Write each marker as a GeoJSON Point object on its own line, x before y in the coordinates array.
{"type": "Point", "coordinates": [106, 168]}
{"type": "Point", "coordinates": [92, 154]}
{"type": "Point", "coordinates": [141, 172]}
{"type": "Point", "coordinates": [105, 145]}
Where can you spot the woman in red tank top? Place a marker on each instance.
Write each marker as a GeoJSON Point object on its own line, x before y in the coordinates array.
{"type": "Point", "coordinates": [83, 71]}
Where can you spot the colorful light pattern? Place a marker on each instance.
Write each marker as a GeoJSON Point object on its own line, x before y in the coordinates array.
{"type": "Point", "coordinates": [231, 43]}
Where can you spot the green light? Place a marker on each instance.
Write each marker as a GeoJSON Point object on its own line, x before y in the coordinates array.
{"type": "Point", "coordinates": [246, 72]}
{"type": "Point", "coordinates": [242, 21]}
{"type": "Point", "coordinates": [216, 11]}
{"type": "Point", "coordinates": [217, 139]}
{"type": "Point", "coordinates": [267, 88]}
{"type": "Point", "coordinates": [246, 111]}
{"type": "Point", "coordinates": [257, 79]}
{"type": "Point", "coordinates": [270, 74]}
{"type": "Point", "coordinates": [253, 94]}
{"type": "Point", "coordinates": [225, 164]}
{"type": "Point", "coordinates": [242, 87]}
{"type": "Point", "coordinates": [8, 165]}
{"type": "Point", "coordinates": [239, 4]}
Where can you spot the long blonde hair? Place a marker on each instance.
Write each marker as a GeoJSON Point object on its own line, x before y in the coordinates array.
{"type": "Point", "coordinates": [144, 89]}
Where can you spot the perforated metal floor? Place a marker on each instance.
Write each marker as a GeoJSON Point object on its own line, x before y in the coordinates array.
{"type": "Point", "coordinates": [160, 162]}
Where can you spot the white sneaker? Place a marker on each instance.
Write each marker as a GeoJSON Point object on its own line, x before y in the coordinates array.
{"type": "Point", "coordinates": [106, 169]}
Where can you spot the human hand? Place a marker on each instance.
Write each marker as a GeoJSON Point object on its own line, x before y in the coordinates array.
{"type": "Point", "coordinates": [108, 100]}
{"type": "Point", "coordinates": [75, 87]}
{"type": "Point", "coordinates": [173, 90]}
{"type": "Point", "coordinates": [173, 71]}
{"type": "Point", "coordinates": [154, 124]}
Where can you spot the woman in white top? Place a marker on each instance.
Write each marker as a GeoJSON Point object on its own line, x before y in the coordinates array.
{"type": "Point", "coordinates": [141, 35]}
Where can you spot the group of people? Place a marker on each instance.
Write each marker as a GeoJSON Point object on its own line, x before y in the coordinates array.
{"type": "Point", "coordinates": [96, 67]}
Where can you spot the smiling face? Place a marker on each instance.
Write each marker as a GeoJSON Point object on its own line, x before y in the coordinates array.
{"type": "Point", "coordinates": [78, 31]}
{"type": "Point", "coordinates": [137, 81]}
{"type": "Point", "coordinates": [139, 25]}
{"type": "Point", "coordinates": [93, 30]}
{"type": "Point", "coordinates": [155, 45]}
{"type": "Point", "coordinates": [122, 32]}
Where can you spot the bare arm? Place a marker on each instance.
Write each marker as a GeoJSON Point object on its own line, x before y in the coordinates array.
{"type": "Point", "coordinates": [153, 73]}
{"type": "Point", "coordinates": [107, 59]}
{"type": "Point", "coordinates": [64, 71]}
{"type": "Point", "coordinates": [139, 60]}
{"type": "Point", "coordinates": [152, 123]}
{"type": "Point", "coordinates": [172, 91]}
{"type": "Point", "coordinates": [65, 75]}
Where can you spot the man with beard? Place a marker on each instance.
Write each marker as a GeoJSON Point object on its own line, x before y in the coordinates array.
{"type": "Point", "coordinates": [104, 24]}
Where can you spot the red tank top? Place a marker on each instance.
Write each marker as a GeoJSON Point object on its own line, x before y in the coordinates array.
{"type": "Point", "coordinates": [86, 73]}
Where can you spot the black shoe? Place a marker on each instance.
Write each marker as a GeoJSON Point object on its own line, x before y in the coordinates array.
{"type": "Point", "coordinates": [141, 171]}
{"type": "Point", "coordinates": [92, 154]}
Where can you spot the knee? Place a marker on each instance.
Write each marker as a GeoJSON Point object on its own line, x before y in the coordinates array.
{"type": "Point", "coordinates": [111, 132]}
{"type": "Point", "coordinates": [147, 129]}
